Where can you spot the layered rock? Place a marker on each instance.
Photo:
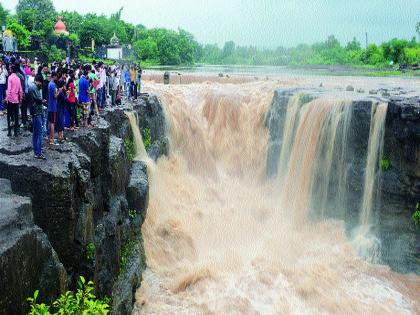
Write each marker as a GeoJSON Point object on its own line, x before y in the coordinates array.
{"type": "Point", "coordinates": [27, 259]}
{"type": "Point", "coordinates": [400, 189]}
{"type": "Point", "coordinates": [90, 203]}
{"type": "Point", "coordinates": [151, 115]}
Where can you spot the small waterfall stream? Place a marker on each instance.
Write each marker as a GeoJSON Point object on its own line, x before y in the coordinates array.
{"type": "Point", "coordinates": [140, 151]}
{"type": "Point", "coordinates": [367, 244]}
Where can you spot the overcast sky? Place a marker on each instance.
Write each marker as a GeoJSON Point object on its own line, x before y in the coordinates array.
{"type": "Point", "coordinates": [264, 23]}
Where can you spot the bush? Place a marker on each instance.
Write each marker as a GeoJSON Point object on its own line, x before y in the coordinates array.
{"type": "Point", "coordinates": [130, 148]}
{"type": "Point", "coordinates": [416, 215]}
{"type": "Point", "coordinates": [132, 214]}
{"type": "Point", "coordinates": [69, 303]}
{"type": "Point", "coordinates": [147, 139]}
{"type": "Point", "coordinates": [126, 250]}
{"type": "Point", "coordinates": [56, 54]}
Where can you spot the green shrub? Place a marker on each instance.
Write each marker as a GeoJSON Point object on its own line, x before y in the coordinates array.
{"type": "Point", "coordinates": [126, 250]}
{"type": "Point", "coordinates": [385, 164]}
{"type": "Point", "coordinates": [147, 138]}
{"type": "Point", "coordinates": [90, 252]}
{"type": "Point", "coordinates": [129, 148]}
{"type": "Point", "coordinates": [80, 303]}
{"type": "Point", "coordinates": [132, 214]}
{"type": "Point", "coordinates": [416, 215]}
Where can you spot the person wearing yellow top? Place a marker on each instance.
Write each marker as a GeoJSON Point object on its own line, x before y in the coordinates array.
{"type": "Point", "coordinates": [133, 82]}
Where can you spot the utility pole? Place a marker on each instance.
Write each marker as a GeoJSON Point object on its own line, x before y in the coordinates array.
{"type": "Point", "coordinates": [366, 40]}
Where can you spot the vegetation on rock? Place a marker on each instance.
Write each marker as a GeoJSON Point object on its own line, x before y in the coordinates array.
{"type": "Point", "coordinates": [81, 302]}
{"type": "Point", "coordinates": [385, 164]}
{"type": "Point", "coordinates": [129, 148]}
{"type": "Point", "coordinates": [132, 214]}
{"type": "Point", "coordinates": [416, 215]}
{"type": "Point", "coordinates": [90, 252]}
{"type": "Point", "coordinates": [126, 250]}
{"type": "Point", "coordinates": [147, 138]}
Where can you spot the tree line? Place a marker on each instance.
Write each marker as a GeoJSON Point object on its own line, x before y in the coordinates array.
{"type": "Point", "coordinates": [34, 21]}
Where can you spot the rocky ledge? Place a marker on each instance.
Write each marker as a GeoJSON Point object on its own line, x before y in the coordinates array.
{"type": "Point", "coordinates": [80, 212]}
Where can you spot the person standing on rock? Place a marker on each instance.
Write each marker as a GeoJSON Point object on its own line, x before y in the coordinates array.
{"type": "Point", "coordinates": [84, 97]}
{"type": "Point", "coordinates": [52, 107]}
{"type": "Point", "coordinates": [101, 74]}
{"type": "Point", "coordinates": [139, 74]}
{"type": "Point", "coordinates": [72, 102]}
{"type": "Point", "coordinates": [37, 103]}
{"type": "Point", "coordinates": [114, 85]}
{"type": "Point", "coordinates": [46, 78]}
{"type": "Point", "coordinates": [62, 102]}
{"type": "Point", "coordinates": [3, 81]}
{"type": "Point", "coordinates": [133, 83]}
{"type": "Point", "coordinates": [14, 100]}
{"type": "Point", "coordinates": [126, 74]}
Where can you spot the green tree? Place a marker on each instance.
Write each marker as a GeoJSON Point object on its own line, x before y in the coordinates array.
{"type": "Point", "coordinates": [418, 28]}
{"type": "Point", "coordinates": [32, 13]}
{"type": "Point", "coordinates": [21, 33]}
{"type": "Point", "coordinates": [94, 27]}
{"type": "Point", "coordinates": [394, 50]}
{"type": "Point", "coordinates": [187, 46]}
{"type": "Point", "coordinates": [73, 21]}
{"type": "Point", "coordinates": [117, 15]}
{"type": "Point", "coordinates": [3, 15]}
{"type": "Point", "coordinates": [211, 54]}
{"type": "Point", "coordinates": [353, 45]}
{"type": "Point", "coordinates": [146, 49]}
{"type": "Point", "coordinates": [373, 55]}
{"type": "Point", "coordinates": [228, 49]}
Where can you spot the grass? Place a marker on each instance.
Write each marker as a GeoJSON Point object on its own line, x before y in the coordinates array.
{"type": "Point", "coordinates": [385, 164]}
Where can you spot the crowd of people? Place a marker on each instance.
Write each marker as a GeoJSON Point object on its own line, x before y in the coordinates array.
{"type": "Point", "coordinates": [48, 99]}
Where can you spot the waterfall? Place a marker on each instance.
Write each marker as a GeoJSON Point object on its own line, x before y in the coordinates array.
{"type": "Point", "coordinates": [330, 173]}
{"type": "Point", "coordinates": [138, 141]}
{"type": "Point", "coordinates": [367, 244]}
{"type": "Point", "coordinates": [221, 238]}
{"type": "Point", "coordinates": [290, 125]}
{"type": "Point", "coordinates": [317, 147]}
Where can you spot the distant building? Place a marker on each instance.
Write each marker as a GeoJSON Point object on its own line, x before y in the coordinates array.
{"type": "Point", "coordinates": [114, 50]}
{"type": "Point", "coordinates": [60, 27]}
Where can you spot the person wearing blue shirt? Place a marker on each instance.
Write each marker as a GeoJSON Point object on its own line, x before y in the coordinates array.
{"type": "Point", "coordinates": [52, 106]}
{"type": "Point", "coordinates": [127, 82]}
{"type": "Point", "coordinates": [84, 97]}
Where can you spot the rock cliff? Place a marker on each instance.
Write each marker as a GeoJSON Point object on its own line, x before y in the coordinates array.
{"type": "Point", "coordinates": [81, 213]}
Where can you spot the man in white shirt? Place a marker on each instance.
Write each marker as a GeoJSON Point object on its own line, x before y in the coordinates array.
{"type": "Point", "coordinates": [101, 74]}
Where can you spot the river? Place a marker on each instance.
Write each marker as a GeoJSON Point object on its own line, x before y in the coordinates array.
{"type": "Point", "coordinates": [221, 238]}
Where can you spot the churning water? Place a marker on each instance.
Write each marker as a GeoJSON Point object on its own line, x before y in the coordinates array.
{"type": "Point", "coordinates": [220, 238]}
